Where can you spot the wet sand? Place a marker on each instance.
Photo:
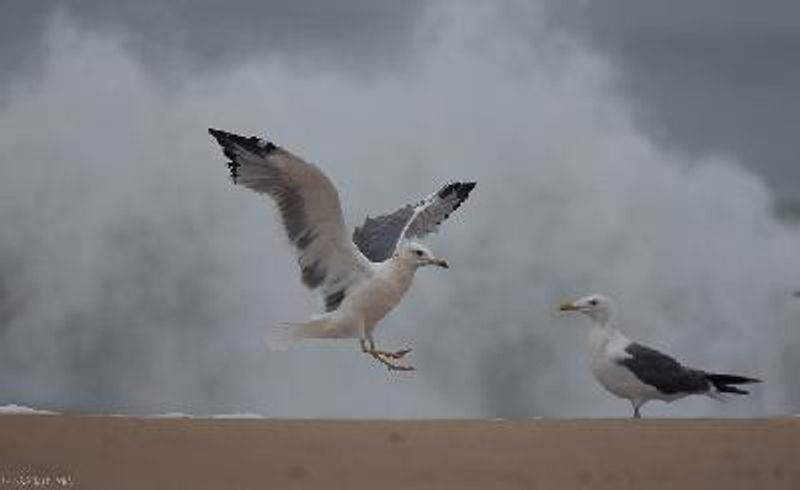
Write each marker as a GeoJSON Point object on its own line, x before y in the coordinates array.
{"type": "Point", "coordinates": [58, 451]}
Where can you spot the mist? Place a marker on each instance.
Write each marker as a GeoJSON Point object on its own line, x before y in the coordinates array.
{"type": "Point", "coordinates": [706, 76]}
{"type": "Point", "coordinates": [135, 278]}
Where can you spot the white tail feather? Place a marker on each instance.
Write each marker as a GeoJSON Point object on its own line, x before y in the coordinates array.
{"type": "Point", "coordinates": [281, 337]}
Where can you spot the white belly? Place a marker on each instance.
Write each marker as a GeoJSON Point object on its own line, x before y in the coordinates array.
{"type": "Point", "coordinates": [374, 299]}
{"type": "Point", "coordinates": [607, 348]}
{"type": "Point", "coordinates": [620, 381]}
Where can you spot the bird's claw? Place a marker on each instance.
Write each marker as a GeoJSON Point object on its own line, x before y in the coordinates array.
{"type": "Point", "coordinates": [397, 354]}
{"type": "Point", "coordinates": [383, 358]}
{"type": "Point", "coordinates": [390, 365]}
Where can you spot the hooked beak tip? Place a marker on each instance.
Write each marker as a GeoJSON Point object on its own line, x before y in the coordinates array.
{"type": "Point", "coordinates": [442, 263]}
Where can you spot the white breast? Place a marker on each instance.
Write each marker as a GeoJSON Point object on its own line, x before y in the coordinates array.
{"type": "Point", "coordinates": [607, 348]}
{"type": "Point", "coordinates": [381, 293]}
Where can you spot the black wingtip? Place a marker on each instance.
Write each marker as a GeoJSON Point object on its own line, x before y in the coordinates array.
{"type": "Point", "coordinates": [467, 188]}
{"type": "Point", "coordinates": [252, 144]}
{"type": "Point", "coordinates": [724, 383]}
{"type": "Point", "coordinates": [228, 142]}
{"type": "Point", "coordinates": [222, 137]}
{"type": "Point", "coordinates": [462, 190]}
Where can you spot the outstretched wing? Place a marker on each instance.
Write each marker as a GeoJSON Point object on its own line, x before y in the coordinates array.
{"type": "Point", "coordinates": [378, 237]}
{"type": "Point", "coordinates": [310, 210]}
{"type": "Point", "coordinates": [662, 371]}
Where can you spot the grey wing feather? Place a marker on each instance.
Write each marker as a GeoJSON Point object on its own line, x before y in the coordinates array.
{"type": "Point", "coordinates": [309, 207]}
{"type": "Point", "coordinates": [378, 237]}
{"type": "Point", "coordinates": [662, 371]}
{"type": "Point", "coordinates": [437, 208]}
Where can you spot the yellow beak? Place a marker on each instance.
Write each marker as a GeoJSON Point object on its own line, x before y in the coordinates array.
{"type": "Point", "coordinates": [568, 306]}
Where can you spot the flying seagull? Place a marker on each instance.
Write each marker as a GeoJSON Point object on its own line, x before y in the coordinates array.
{"type": "Point", "coordinates": [639, 373]}
{"type": "Point", "coordinates": [362, 278]}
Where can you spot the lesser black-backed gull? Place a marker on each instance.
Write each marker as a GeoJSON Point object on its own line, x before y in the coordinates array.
{"type": "Point", "coordinates": [639, 373]}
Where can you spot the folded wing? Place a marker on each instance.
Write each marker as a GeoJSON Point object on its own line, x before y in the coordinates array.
{"type": "Point", "coordinates": [662, 371]}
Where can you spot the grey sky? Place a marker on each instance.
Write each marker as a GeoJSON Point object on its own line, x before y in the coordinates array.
{"type": "Point", "coordinates": [135, 278]}
{"type": "Point", "coordinates": [704, 77]}
{"type": "Point", "coordinates": [178, 38]}
{"type": "Point", "coordinates": [709, 76]}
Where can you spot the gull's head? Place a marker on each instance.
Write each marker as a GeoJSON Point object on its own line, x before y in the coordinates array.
{"type": "Point", "coordinates": [419, 255]}
{"type": "Point", "coordinates": [595, 306]}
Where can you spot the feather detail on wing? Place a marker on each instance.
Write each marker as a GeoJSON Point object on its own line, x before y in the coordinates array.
{"type": "Point", "coordinates": [662, 371]}
{"type": "Point", "coordinates": [310, 210]}
{"type": "Point", "coordinates": [379, 237]}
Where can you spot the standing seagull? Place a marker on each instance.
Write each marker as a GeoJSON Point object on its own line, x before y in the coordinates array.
{"type": "Point", "coordinates": [638, 373]}
{"type": "Point", "coordinates": [361, 279]}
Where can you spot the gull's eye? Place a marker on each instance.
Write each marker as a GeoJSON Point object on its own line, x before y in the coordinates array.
{"type": "Point", "coordinates": [593, 302]}
{"type": "Point", "coordinates": [418, 253]}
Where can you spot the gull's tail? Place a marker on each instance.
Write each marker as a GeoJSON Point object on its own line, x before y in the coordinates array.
{"type": "Point", "coordinates": [282, 336]}
{"type": "Point", "coordinates": [724, 383]}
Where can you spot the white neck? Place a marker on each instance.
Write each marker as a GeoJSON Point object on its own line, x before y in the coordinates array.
{"type": "Point", "coordinates": [401, 268]}
{"type": "Point", "coordinates": [600, 333]}
{"type": "Point", "coordinates": [403, 263]}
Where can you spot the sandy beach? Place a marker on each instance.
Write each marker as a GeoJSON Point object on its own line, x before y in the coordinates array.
{"type": "Point", "coordinates": [57, 451]}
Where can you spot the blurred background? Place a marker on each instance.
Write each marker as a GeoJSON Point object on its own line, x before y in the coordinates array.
{"type": "Point", "coordinates": [639, 149]}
